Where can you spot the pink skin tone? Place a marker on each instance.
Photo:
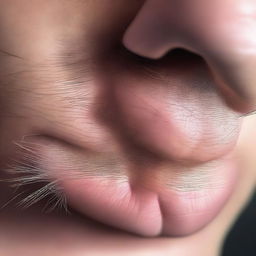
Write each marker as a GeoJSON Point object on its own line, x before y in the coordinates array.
{"type": "Point", "coordinates": [157, 118]}
{"type": "Point", "coordinates": [222, 32]}
{"type": "Point", "coordinates": [153, 145]}
{"type": "Point", "coordinates": [149, 200]}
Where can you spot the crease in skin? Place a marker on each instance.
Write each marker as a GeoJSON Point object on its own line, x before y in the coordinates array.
{"type": "Point", "coordinates": [30, 167]}
{"type": "Point", "coordinates": [195, 179]}
{"type": "Point", "coordinates": [222, 32]}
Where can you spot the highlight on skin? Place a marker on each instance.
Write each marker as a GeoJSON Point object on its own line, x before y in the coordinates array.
{"type": "Point", "coordinates": [222, 32]}
{"type": "Point", "coordinates": [104, 122]}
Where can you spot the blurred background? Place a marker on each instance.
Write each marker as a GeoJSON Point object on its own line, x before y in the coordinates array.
{"type": "Point", "coordinates": [241, 240]}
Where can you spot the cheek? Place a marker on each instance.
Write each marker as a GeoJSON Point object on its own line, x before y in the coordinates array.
{"type": "Point", "coordinates": [132, 124]}
{"type": "Point", "coordinates": [35, 31]}
{"type": "Point", "coordinates": [43, 44]}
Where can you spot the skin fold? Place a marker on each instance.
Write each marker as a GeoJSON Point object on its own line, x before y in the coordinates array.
{"type": "Point", "coordinates": [223, 32]}
{"type": "Point", "coordinates": [76, 103]}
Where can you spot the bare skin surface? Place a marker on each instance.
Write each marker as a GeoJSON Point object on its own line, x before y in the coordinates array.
{"type": "Point", "coordinates": [72, 235]}
{"type": "Point", "coordinates": [61, 64]}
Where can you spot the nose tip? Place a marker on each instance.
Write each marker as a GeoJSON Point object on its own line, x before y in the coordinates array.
{"type": "Point", "coordinates": [222, 32]}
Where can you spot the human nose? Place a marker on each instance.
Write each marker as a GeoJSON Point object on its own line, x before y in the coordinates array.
{"type": "Point", "coordinates": [222, 32]}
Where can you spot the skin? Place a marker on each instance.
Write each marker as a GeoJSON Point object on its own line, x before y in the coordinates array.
{"type": "Point", "coordinates": [43, 93]}
{"type": "Point", "coordinates": [208, 29]}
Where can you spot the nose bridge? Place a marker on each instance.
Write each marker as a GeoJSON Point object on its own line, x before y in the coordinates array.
{"type": "Point", "coordinates": [223, 32]}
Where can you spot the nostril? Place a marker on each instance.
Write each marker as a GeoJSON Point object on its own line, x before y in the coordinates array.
{"type": "Point", "coordinates": [223, 35]}
{"type": "Point", "coordinates": [175, 56]}
{"type": "Point", "coordinates": [233, 74]}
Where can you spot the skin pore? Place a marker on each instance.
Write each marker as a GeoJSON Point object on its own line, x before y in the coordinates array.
{"type": "Point", "coordinates": [64, 81]}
